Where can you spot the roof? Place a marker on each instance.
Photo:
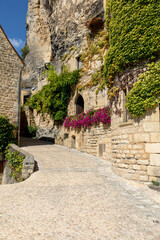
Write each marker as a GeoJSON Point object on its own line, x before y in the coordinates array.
{"type": "Point", "coordinates": [11, 45]}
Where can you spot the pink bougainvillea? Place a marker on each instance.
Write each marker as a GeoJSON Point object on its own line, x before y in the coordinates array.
{"type": "Point", "coordinates": [92, 117]}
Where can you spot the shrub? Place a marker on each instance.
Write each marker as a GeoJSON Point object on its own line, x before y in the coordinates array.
{"type": "Point", "coordinates": [32, 131]}
{"type": "Point", "coordinates": [88, 119]}
{"type": "Point", "coordinates": [15, 162]}
{"type": "Point", "coordinates": [6, 133]}
{"type": "Point", "coordinates": [24, 51]}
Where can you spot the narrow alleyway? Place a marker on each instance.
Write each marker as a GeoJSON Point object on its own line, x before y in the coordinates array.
{"type": "Point", "coordinates": [75, 196]}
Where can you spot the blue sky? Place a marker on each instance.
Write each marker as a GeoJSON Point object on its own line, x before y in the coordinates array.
{"type": "Point", "coordinates": [12, 19]}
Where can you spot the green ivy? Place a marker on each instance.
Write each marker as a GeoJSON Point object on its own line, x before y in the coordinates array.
{"type": "Point", "coordinates": [134, 34]}
{"type": "Point", "coordinates": [145, 93]}
{"type": "Point", "coordinates": [6, 133]}
{"type": "Point", "coordinates": [54, 97]}
{"type": "Point", "coordinates": [15, 162]}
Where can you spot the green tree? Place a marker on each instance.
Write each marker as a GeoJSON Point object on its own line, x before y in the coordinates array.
{"type": "Point", "coordinates": [24, 51]}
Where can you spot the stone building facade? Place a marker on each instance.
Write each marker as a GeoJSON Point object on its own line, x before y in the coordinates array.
{"type": "Point", "coordinates": [131, 144]}
{"type": "Point", "coordinates": [10, 66]}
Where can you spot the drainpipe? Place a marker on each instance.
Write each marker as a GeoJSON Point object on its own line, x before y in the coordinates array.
{"type": "Point", "coordinates": [19, 106]}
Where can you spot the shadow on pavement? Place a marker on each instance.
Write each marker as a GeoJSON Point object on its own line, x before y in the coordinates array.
{"type": "Point", "coordinates": [25, 142]}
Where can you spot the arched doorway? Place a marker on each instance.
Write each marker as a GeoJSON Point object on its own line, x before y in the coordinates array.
{"type": "Point", "coordinates": [79, 105]}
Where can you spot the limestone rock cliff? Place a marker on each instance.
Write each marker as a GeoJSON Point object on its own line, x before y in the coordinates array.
{"type": "Point", "coordinates": [53, 27]}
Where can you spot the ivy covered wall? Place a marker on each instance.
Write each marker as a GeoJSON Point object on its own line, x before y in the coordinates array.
{"type": "Point", "coordinates": [134, 34]}
{"type": "Point", "coordinates": [134, 38]}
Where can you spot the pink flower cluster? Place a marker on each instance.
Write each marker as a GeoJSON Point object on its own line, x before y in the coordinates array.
{"type": "Point", "coordinates": [102, 115]}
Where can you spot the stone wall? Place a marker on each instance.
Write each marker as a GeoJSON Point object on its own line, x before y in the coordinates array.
{"type": "Point", "coordinates": [27, 169]}
{"type": "Point", "coordinates": [95, 140]}
{"type": "Point", "coordinates": [136, 147]}
{"type": "Point", "coordinates": [10, 65]}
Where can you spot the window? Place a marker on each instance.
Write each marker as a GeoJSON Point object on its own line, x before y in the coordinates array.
{"type": "Point", "coordinates": [79, 105]}
{"type": "Point", "coordinates": [126, 115]}
{"type": "Point", "coordinates": [79, 62]}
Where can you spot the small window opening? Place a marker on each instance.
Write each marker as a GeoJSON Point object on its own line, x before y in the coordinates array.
{"type": "Point", "coordinates": [126, 115]}
{"type": "Point", "coordinates": [79, 62]}
{"type": "Point", "coordinates": [79, 105]}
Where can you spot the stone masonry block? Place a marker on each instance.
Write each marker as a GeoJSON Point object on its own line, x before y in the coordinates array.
{"type": "Point", "coordinates": [153, 147]}
{"type": "Point", "coordinates": [141, 137]}
{"type": "Point", "coordinates": [143, 178]}
{"type": "Point", "coordinates": [155, 159]}
{"type": "Point", "coordinates": [135, 177]}
{"type": "Point", "coordinates": [136, 167]}
{"type": "Point", "coordinates": [143, 162]}
{"type": "Point", "coordinates": [123, 166]}
{"type": "Point", "coordinates": [155, 137]}
{"type": "Point", "coordinates": [153, 171]}
{"type": "Point", "coordinates": [153, 179]}
{"type": "Point", "coordinates": [151, 126]}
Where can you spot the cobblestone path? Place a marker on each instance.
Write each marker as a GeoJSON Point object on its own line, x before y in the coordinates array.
{"type": "Point", "coordinates": [75, 196]}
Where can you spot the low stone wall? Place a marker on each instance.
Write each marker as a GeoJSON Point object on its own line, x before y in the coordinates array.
{"type": "Point", "coordinates": [28, 166]}
{"type": "Point", "coordinates": [95, 140]}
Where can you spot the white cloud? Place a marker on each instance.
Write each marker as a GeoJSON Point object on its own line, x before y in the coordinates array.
{"type": "Point", "coordinates": [17, 43]}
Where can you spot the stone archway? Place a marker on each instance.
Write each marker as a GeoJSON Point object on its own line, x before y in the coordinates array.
{"type": "Point", "coordinates": [73, 142]}
{"type": "Point", "coordinates": [79, 104]}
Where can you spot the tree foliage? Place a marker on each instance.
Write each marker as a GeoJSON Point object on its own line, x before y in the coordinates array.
{"type": "Point", "coordinates": [15, 162]}
{"type": "Point", "coordinates": [24, 51]}
{"type": "Point", "coordinates": [6, 133]}
{"type": "Point", "coordinates": [54, 97]}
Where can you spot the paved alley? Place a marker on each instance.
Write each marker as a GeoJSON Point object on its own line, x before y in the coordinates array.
{"type": "Point", "coordinates": [75, 196]}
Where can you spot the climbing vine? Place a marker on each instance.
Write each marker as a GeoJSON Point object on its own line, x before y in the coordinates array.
{"type": "Point", "coordinates": [94, 51]}
{"type": "Point", "coordinates": [145, 93]}
{"type": "Point", "coordinates": [54, 97]}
